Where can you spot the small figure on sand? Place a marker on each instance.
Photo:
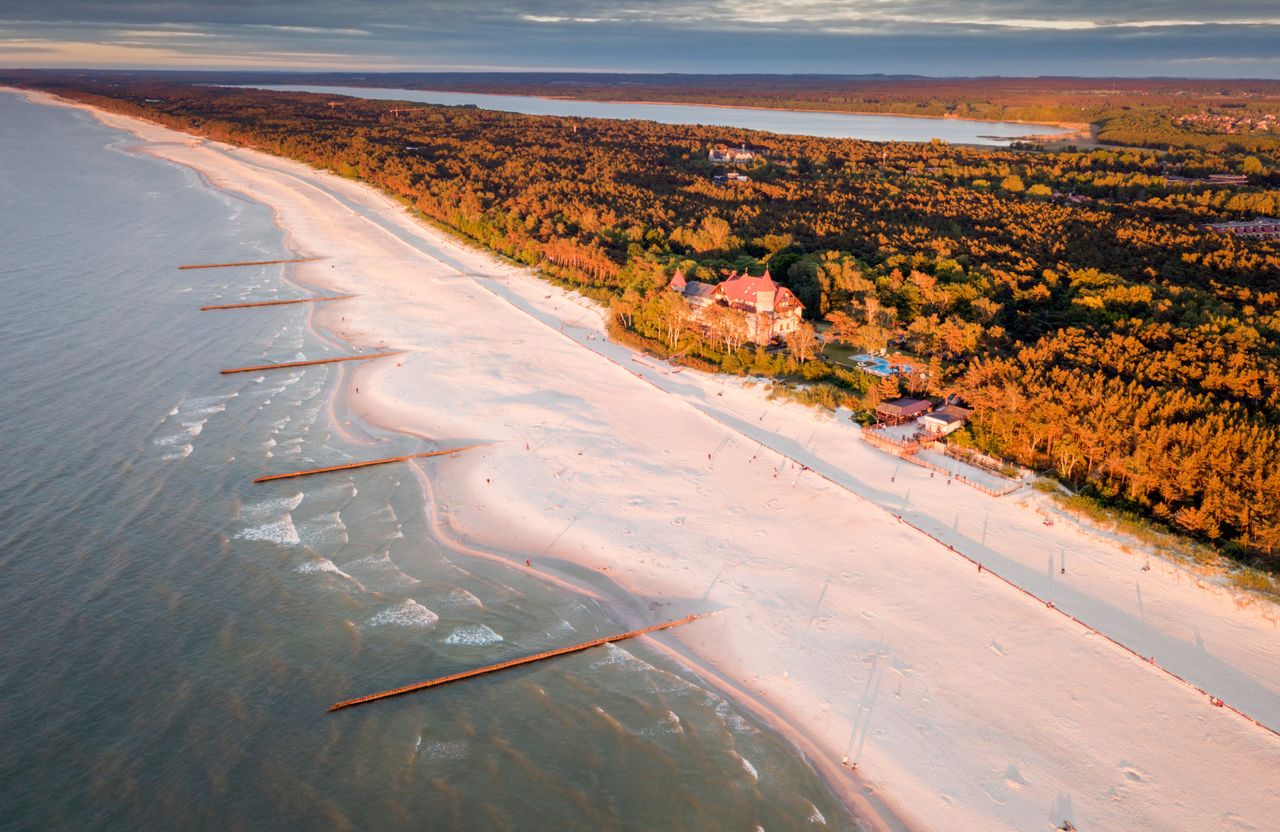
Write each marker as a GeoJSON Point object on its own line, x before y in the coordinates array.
{"type": "Point", "coordinates": [528, 563]}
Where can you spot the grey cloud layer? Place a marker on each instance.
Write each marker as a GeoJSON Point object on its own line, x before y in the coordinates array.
{"type": "Point", "coordinates": [355, 14]}
{"type": "Point", "coordinates": [1090, 37]}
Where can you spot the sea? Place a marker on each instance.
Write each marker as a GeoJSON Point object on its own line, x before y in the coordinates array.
{"type": "Point", "coordinates": [173, 633]}
{"type": "Point", "coordinates": [876, 128]}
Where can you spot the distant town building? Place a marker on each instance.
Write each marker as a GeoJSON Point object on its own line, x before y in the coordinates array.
{"type": "Point", "coordinates": [730, 176]}
{"type": "Point", "coordinates": [897, 411]}
{"type": "Point", "coordinates": [1232, 179]}
{"type": "Point", "coordinates": [770, 311]}
{"type": "Point", "coordinates": [731, 156]}
{"type": "Point", "coordinates": [1258, 227]}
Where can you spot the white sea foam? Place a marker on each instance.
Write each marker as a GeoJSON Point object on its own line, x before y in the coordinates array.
{"type": "Point", "coordinates": [408, 613]}
{"type": "Point", "coordinates": [181, 453]}
{"type": "Point", "coordinates": [270, 521]}
{"type": "Point", "coordinates": [323, 531]}
{"type": "Point", "coordinates": [731, 718]}
{"type": "Point", "coordinates": [323, 565]}
{"type": "Point", "coordinates": [269, 507]}
{"type": "Point", "coordinates": [746, 766]}
{"type": "Point", "coordinates": [473, 635]}
{"type": "Point", "coordinates": [443, 750]}
{"type": "Point", "coordinates": [816, 816]}
{"type": "Point", "coordinates": [279, 531]}
{"type": "Point", "coordinates": [332, 491]}
{"type": "Point", "coordinates": [656, 680]}
{"type": "Point", "coordinates": [462, 598]}
{"type": "Point", "coordinates": [380, 571]}
{"type": "Point", "coordinates": [668, 725]}
{"type": "Point", "coordinates": [311, 567]}
{"type": "Point", "coordinates": [202, 402]}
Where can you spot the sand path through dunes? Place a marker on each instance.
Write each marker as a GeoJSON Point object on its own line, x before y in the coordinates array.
{"type": "Point", "coordinates": [965, 703]}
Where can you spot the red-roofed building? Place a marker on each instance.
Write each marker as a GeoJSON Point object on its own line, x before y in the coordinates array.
{"type": "Point", "coordinates": [771, 311]}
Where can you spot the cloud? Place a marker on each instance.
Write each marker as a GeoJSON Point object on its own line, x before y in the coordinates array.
{"type": "Point", "coordinates": [937, 37]}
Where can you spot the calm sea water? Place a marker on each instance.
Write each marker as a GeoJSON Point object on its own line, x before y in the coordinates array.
{"type": "Point", "coordinates": [789, 122]}
{"type": "Point", "coordinates": [174, 633]}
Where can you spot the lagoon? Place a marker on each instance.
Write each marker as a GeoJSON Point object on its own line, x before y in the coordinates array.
{"type": "Point", "coordinates": [880, 128]}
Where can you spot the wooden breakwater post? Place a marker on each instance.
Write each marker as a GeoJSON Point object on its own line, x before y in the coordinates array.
{"type": "Point", "coordinates": [257, 303]}
{"type": "Point", "coordinates": [247, 263]}
{"type": "Point", "coordinates": [494, 668]}
{"type": "Point", "coordinates": [286, 365]}
{"type": "Point", "coordinates": [348, 466]}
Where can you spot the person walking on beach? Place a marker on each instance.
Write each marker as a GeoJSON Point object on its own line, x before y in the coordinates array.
{"type": "Point", "coordinates": [528, 563]}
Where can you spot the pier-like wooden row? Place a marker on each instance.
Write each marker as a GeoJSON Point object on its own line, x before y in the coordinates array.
{"type": "Point", "coordinates": [256, 303]}
{"type": "Point", "coordinates": [348, 466]}
{"type": "Point", "coordinates": [247, 263]}
{"type": "Point", "coordinates": [286, 365]}
{"type": "Point", "coordinates": [493, 668]}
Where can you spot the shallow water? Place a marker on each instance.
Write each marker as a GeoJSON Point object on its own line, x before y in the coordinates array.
{"type": "Point", "coordinates": [173, 633]}
{"type": "Point", "coordinates": [875, 128]}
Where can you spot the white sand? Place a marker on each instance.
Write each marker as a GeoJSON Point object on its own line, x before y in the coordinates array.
{"type": "Point", "coordinates": [966, 704]}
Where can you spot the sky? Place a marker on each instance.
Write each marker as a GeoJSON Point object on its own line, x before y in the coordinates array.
{"type": "Point", "coordinates": [1181, 38]}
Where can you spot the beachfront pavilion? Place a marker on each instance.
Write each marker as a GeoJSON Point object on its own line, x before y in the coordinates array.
{"type": "Point", "coordinates": [897, 411]}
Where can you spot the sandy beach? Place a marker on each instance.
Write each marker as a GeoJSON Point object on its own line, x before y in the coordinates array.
{"type": "Point", "coordinates": [851, 614]}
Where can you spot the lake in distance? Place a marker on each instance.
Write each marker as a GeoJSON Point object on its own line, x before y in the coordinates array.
{"type": "Point", "coordinates": [879, 128]}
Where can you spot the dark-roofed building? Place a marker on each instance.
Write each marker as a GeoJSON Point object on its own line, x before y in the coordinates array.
{"type": "Point", "coordinates": [1260, 227]}
{"type": "Point", "coordinates": [897, 411]}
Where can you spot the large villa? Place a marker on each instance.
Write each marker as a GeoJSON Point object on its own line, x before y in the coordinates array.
{"type": "Point", "coordinates": [771, 311]}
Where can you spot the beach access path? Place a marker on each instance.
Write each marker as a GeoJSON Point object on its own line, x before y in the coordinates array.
{"type": "Point", "coordinates": [965, 703]}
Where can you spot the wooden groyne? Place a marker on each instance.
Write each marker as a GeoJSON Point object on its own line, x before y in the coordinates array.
{"type": "Point", "coordinates": [286, 365]}
{"type": "Point", "coordinates": [247, 263]}
{"type": "Point", "coordinates": [348, 466]}
{"type": "Point", "coordinates": [494, 668]}
{"type": "Point", "coordinates": [257, 303]}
